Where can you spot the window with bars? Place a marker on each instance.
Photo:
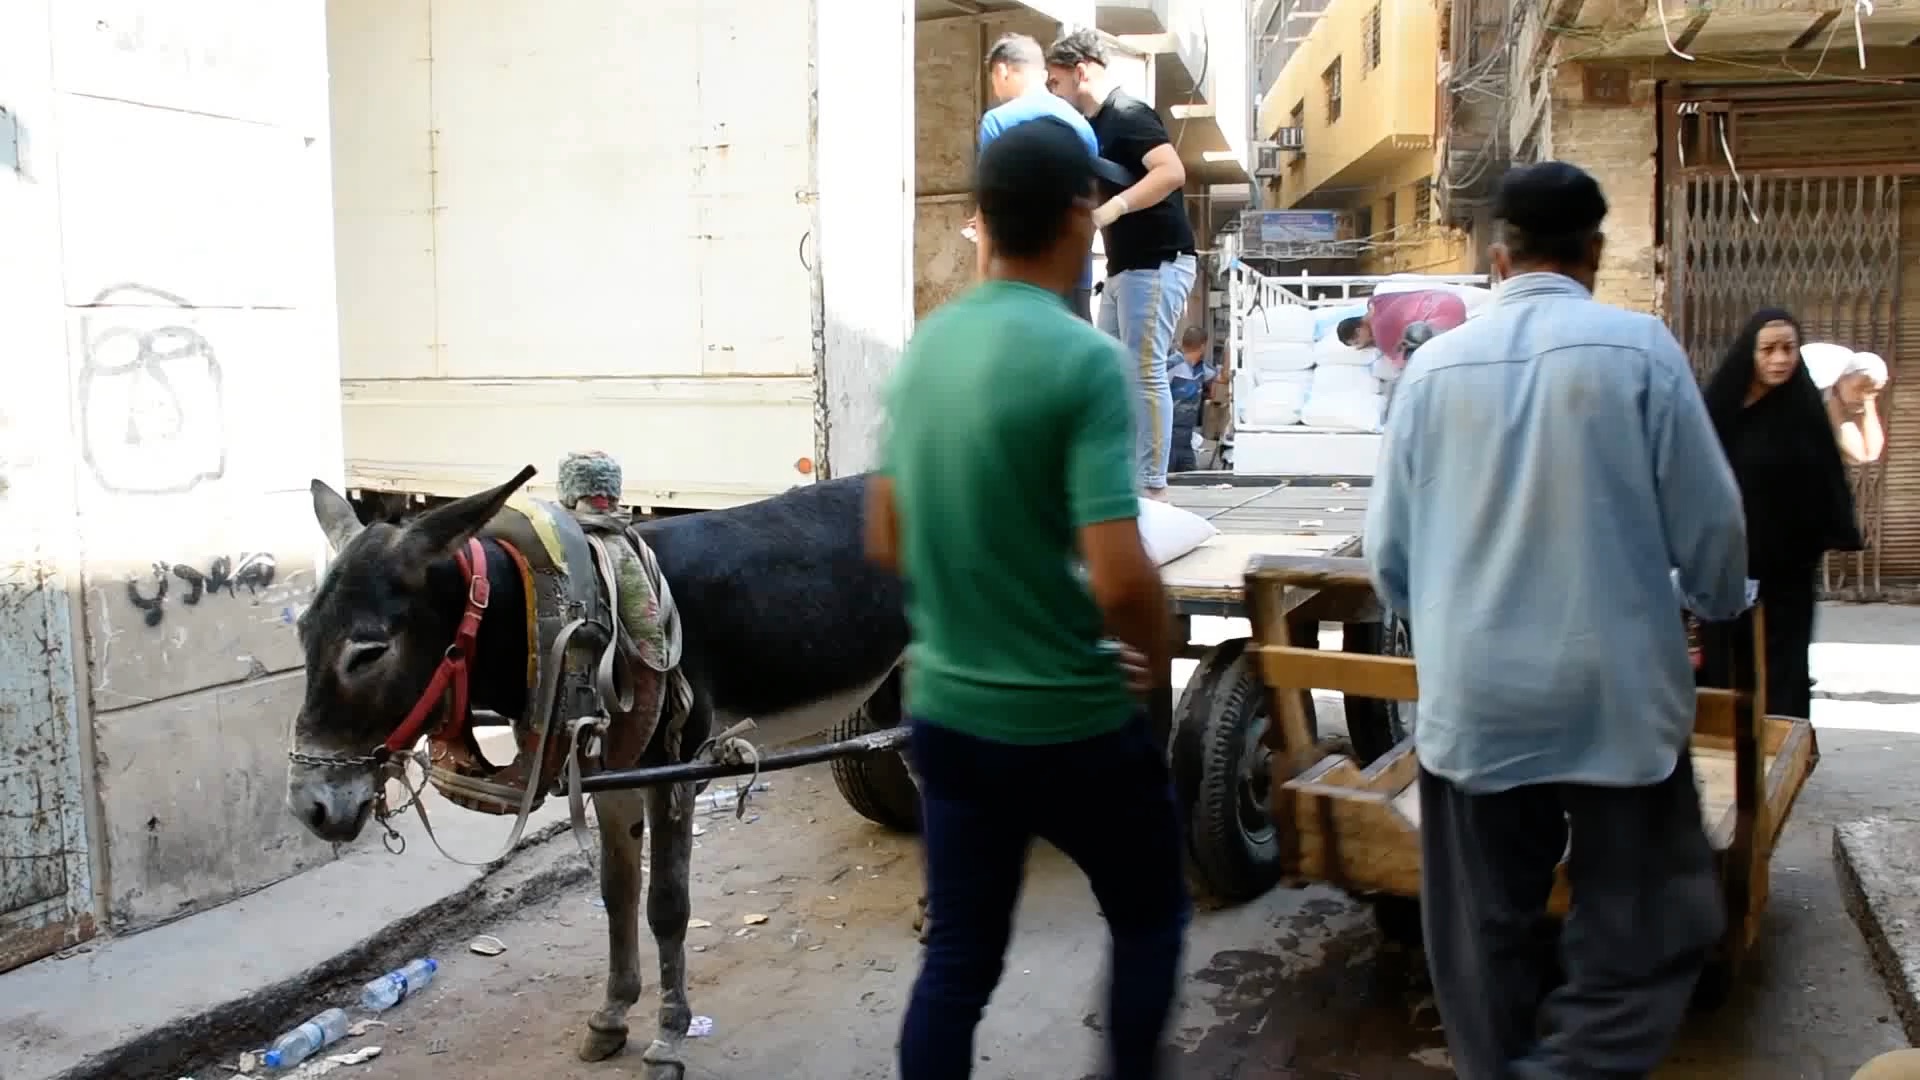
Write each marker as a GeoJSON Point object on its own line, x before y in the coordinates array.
{"type": "Point", "coordinates": [1370, 38]}
{"type": "Point", "coordinates": [1330, 81]}
{"type": "Point", "coordinates": [1423, 202]}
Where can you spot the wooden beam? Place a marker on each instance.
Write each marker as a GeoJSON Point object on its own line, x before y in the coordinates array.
{"type": "Point", "coordinates": [1383, 678]}
{"type": "Point", "coordinates": [1813, 29]}
{"type": "Point", "coordinates": [1311, 571]}
{"type": "Point", "coordinates": [1697, 24]}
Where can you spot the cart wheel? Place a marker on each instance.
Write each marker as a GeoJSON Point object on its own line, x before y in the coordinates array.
{"type": "Point", "coordinates": [1186, 751]}
{"type": "Point", "coordinates": [1398, 920]}
{"type": "Point", "coordinates": [878, 786]}
{"type": "Point", "coordinates": [1236, 853]}
{"type": "Point", "coordinates": [1377, 726]}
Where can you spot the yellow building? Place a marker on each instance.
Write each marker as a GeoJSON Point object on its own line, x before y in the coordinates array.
{"type": "Point", "coordinates": [1352, 117]}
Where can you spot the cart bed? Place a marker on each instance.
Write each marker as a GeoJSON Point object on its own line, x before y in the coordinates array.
{"type": "Point", "coordinates": [1376, 812]}
{"type": "Point", "coordinates": [1266, 519]}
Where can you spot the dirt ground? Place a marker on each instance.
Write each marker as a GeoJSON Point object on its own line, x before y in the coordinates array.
{"type": "Point", "coordinates": [1294, 985]}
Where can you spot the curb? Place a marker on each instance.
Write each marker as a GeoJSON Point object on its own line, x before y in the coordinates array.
{"type": "Point", "coordinates": [534, 871]}
{"type": "Point", "coordinates": [1885, 941]}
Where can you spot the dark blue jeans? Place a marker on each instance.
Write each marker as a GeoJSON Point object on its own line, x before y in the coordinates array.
{"type": "Point", "coordinates": [1107, 804]}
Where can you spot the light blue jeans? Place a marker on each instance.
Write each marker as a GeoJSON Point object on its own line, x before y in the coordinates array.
{"type": "Point", "coordinates": [1142, 308]}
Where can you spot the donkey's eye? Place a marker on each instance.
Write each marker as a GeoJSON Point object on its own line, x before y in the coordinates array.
{"type": "Point", "coordinates": [358, 655]}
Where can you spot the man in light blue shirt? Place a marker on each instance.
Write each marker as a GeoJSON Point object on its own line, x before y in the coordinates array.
{"type": "Point", "coordinates": [1546, 467]}
{"type": "Point", "coordinates": [1017, 76]}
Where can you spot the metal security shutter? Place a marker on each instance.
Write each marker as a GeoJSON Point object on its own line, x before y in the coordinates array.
{"type": "Point", "coordinates": [1825, 225]}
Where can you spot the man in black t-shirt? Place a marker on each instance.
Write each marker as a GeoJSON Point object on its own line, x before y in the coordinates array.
{"type": "Point", "coordinates": [1149, 243]}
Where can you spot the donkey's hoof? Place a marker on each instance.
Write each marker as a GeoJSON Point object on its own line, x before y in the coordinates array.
{"type": "Point", "coordinates": [599, 1045]}
{"type": "Point", "coordinates": [662, 1062]}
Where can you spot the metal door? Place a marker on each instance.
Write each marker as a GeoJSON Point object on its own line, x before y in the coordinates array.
{"type": "Point", "coordinates": [45, 877]}
{"type": "Point", "coordinates": [1825, 246]}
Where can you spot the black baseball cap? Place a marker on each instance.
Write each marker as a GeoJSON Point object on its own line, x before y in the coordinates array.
{"type": "Point", "coordinates": [1041, 164]}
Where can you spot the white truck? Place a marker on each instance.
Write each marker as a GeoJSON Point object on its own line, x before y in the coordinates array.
{"type": "Point", "coordinates": [694, 235]}
{"type": "Point", "coordinates": [1281, 356]}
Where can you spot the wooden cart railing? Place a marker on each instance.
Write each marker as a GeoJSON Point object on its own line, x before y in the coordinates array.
{"type": "Point", "coordinates": [1358, 827]}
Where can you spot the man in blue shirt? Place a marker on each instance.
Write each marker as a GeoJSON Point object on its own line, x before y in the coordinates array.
{"type": "Point", "coordinates": [1546, 468]}
{"type": "Point", "coordinates": [1017, 76]}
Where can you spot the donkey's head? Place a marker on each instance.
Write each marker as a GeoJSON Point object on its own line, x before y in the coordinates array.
{"type": "Point", "coordinates": [379, 625]}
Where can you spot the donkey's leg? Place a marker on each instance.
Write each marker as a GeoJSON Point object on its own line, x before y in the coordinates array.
{"type": "Point", "coordinates": [622, 817]}
{"type": "Point", "coordinates": [669, 903]}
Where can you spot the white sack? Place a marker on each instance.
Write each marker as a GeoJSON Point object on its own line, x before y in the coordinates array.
{"type": "Point", "coordinates": [1343, 412]}
{"type": "Point", "coordinates": [1273, 405]}
{"type": "Point", "coordinates": [1280, 322]}
{"type": "Point", "coordinates": [1329, 351]}
{"type": "Point", "coordinates": [1170, 532]}
{"type": "Point", "coordinates": [1340, 379]}
{"type": "Point", "coordinates": [1279, 356]}
{"type": "Point", "coordinates": [1473, 296]}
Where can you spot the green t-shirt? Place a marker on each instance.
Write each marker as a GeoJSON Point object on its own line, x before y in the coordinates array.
{"type": "Point", "coordinates": [1010, 426]}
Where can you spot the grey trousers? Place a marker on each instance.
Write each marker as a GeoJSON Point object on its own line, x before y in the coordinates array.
{"type": "Point", "coordinates": [1646, 915]}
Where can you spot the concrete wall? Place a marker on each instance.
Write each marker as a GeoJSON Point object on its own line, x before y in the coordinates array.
{"type": "Point", "coordinates": [183, 149]}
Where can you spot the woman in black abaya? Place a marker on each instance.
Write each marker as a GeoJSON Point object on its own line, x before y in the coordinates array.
{"type": "Point", "coordinates": [1780, 442]}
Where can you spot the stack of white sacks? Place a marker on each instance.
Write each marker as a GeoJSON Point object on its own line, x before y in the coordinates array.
{"type": "Point", "coordinates": [1288, 378]}
{"type": "Point", "coordinates": [1295, 371]}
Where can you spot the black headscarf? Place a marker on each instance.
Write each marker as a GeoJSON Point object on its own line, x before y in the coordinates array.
{"type": "Point", "coordinates": [1792, 481]}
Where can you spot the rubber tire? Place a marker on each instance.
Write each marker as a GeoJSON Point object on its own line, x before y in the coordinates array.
{"type": "Point", "coordinates": [878, 787]}
{"type": "Point", "coordinates": [1231, 865]}
{"type": "Point", "coordinates": [1376, 726]}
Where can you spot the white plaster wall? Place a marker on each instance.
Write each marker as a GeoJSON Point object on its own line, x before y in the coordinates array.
{"type": "Point", "coordinates": [562, 233]}
{"type": "Point", "coordinates": [185, 152]}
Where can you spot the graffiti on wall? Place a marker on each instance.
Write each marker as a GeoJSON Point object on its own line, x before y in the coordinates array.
{"type": "Point", "coordinates": [252, 571]}
{"type": "Point", "coordinates": [152, 405]}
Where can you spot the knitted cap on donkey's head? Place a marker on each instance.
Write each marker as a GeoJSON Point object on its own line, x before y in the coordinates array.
{"type": "Point", "coordinates": [590, 477]}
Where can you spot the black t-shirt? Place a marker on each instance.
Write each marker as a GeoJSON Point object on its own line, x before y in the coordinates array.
{"type": "Point", "coordinates": [1127, 128]}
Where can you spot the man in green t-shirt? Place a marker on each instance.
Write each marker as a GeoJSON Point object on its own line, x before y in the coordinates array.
{"type": "Point", "coordinates": [1006, 501]}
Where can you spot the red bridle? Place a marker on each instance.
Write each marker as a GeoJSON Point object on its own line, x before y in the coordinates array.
{"type": "Point", "coordinates": [451, 675]}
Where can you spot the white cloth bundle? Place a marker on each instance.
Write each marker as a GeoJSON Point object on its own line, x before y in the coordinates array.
{"type": "Point", "coordinates": [1828, 363]}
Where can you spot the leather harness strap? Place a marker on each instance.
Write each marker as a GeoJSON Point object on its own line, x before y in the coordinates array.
{"type": "Point", "coordinates": [451, 677]}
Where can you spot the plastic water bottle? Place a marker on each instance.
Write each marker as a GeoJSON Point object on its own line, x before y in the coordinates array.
{"type": "Point", "coordinates": [390, 989]}
{"type": "Point", "coordinates": [308, 1039]}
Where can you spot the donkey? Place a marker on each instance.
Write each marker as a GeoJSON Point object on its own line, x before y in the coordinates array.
{"type": "Point", "coordinates": [781, 613]}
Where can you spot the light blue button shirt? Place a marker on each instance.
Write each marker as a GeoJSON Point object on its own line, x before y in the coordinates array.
{"type": "Point", "coordinates": [1546, 467]}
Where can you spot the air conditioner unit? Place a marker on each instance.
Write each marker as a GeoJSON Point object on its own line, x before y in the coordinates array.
{"type": "Point", "coordinates": [1290, 138]}
{"type": "Point", "coordinates": [1267, 160]}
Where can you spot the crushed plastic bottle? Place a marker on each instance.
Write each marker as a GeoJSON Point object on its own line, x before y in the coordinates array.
{"type": "Point", "coordinates": [394, 987]}
{"type": "Point", "coordinates": [307, 1040]}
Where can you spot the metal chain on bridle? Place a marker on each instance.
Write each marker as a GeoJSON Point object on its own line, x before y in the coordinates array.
{"type": "Point", "coordinates": [386, 766]}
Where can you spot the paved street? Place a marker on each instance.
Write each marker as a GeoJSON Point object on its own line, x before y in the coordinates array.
{"type": "Point", "coordinates": [1295, 984]}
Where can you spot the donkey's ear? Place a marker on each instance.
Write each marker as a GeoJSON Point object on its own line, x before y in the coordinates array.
{"type": "Point", "coordinates": [335, 515]}
{"type": "Point", "coordinates": [442, 530]}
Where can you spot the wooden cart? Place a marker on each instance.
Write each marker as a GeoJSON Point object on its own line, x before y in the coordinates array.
{"type": "Point", "coordinates": [1358, 827]}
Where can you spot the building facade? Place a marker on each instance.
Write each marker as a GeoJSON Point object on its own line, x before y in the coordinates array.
{"type": "Point", "coordinates": [1351, 121]}
{"type": "Point", "coordinates": [1758, 153]}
